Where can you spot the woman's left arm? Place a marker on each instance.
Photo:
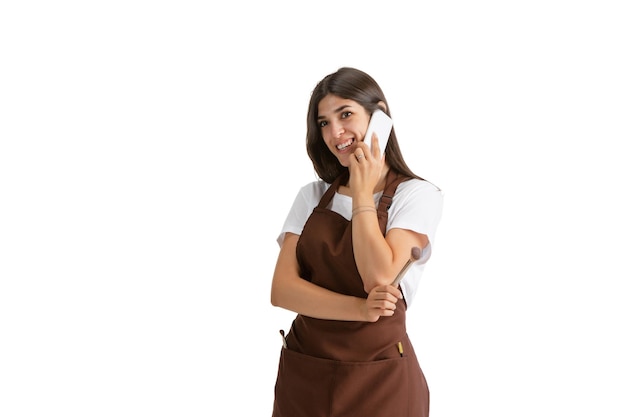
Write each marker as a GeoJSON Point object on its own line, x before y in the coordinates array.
{"type": "Point", "coordinates": [379, 258]}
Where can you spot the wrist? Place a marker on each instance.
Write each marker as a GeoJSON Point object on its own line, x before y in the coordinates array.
{"type": "Point", "coordinates": [363, 209]}
{"type": "Point", "coordinates": [362, 309]}
{"type": "Point", "coordinates": [362, 201]}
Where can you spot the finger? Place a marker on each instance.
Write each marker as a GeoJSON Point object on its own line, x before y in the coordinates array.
{"type": "Point", "coordinates": [385, 312]}
{"type": "Point", "coordinates": [375, 146]}
{"type": "Point", "coordinates": [367, 150]}
{"type": "Point", "coordinates": [386, 298]}
{"type": "Point", "coordinates": [359, 155]}
{"type": "Point", "coordinates": [389, 289]}
{"type": "Point", "coordinates": [394, 290]}
{"type": "Point", "coordinates": [389, 305]}
{"type": "Point", "coordinates": [383, 305]}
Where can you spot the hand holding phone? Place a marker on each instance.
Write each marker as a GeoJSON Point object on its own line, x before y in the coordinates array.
{"type": "Point", "coordinates": [381, 124]}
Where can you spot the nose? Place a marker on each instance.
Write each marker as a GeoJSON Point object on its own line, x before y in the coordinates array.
{"type": "Point", "coordinates": [337, 130]}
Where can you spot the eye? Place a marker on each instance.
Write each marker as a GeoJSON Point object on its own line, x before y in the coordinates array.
{"type": "Point", "coordinates": [346, 114]}
{"type": "Point", "coordinates": [323, 123]}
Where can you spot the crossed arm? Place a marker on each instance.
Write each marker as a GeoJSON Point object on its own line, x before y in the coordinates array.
{"type": "Point", "coordinates": [293, 293]}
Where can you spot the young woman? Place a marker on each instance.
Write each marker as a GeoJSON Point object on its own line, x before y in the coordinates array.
{"type": "Point", "coordinates": [344, 241]}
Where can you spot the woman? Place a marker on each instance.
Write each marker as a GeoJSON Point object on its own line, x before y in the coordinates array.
{"type": "Point", "coordinates": [344, 241]}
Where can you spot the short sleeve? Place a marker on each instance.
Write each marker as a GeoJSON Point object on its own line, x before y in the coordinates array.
{"type": "Point", "coordinates": [306, 200]}
{"type": "Point", "coordinates": [416, 206]}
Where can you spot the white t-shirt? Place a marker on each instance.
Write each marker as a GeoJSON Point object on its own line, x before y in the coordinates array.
{"type": "Point", "coordinates": [417, 206]}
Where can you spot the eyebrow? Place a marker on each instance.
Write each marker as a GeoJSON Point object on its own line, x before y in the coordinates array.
{"type": "Point", "coordinates": [337, 110]}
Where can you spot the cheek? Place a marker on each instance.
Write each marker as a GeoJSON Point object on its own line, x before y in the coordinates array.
{"type": "Point", "coordinates": [326, 141]}
{"type": "Point", "coordinates": [362, 128]}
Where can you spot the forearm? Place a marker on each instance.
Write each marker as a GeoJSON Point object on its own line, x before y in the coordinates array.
{"type": "Point", "coordinates": [372, 253]}
{"type": "Point", "coordinates": [303, 297]}
{"type": "Point", "coordinates": [293, 293]}
{"type": "Point", "coordinates": [379, 258]}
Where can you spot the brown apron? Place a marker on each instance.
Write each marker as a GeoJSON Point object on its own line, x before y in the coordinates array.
{"type": "Point", "coordinates": [334, 368]}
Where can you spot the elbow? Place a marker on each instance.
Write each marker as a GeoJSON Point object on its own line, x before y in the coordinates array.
{"type": "Point", "coordinates": [370, 284]}
{"type": "Point", "coordinates": [275, 297]}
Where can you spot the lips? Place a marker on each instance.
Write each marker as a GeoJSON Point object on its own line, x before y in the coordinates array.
{"type": "Point", "coordinates": [345, 144]}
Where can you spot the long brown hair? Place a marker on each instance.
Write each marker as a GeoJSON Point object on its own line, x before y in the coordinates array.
{"type": "Point", "coordinates": [352, 84]}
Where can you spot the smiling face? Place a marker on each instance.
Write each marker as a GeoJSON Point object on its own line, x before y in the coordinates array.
{"type": "Point", "coordinates": [343, 123]}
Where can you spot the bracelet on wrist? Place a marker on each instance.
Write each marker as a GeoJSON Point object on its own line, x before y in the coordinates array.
{"type": "Point", "coordinates": [361, 209]}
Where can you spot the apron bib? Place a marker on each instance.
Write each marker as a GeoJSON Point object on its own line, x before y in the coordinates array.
{"type": "Point", "coordinates": [333, 368]}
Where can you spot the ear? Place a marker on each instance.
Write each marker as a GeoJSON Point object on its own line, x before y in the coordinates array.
{"type": "Point", "coordinates": [382, 106]}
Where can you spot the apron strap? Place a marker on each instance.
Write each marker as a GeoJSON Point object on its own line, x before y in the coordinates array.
{"type": "Point", "coordinates": [392, 182]}
{"type": "Point", "coordinates": [330, 193]}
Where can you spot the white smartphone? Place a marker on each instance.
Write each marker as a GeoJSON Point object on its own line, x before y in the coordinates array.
{"type": "Point", "coordinates": [381, 124]}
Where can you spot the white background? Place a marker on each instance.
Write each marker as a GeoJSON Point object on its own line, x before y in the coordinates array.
{"type": "Point", "coordinates": [151, 150]}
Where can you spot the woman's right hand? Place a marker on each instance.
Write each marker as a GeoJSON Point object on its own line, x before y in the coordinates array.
{"type": "Point", "coordinates": [381, 301]}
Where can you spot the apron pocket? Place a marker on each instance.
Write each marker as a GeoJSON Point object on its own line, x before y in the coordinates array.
{"type": "Point", "coordinates": [309, 386]}
{"type": "Point", "coordinates": [380, 388]}
{"type": "Point", "coordinates": [303, 385]}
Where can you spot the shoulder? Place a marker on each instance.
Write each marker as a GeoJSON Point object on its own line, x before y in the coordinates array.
{"type": "Point", "coordinates": [305, 202]}
{"type": "Point", "coordinates": [416, 205]}
{"type": "Point", "coordinates": [307, 199]}
{"type": "Point", "coordinates": [312, 192]}
{"type": "Point", "coordinates": [418, 189]}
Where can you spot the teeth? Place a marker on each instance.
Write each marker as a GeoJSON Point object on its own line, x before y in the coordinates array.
{"type": "Point", "coordinates": [344, 145]}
